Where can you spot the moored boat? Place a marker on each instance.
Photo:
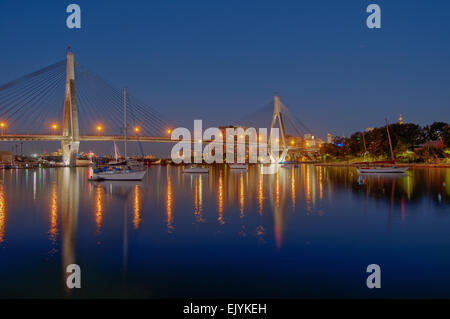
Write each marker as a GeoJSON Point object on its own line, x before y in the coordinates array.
{"type": "Point", "coordinates": [196, 169]}
{"type": "Point", "coordinates": [380, 167]}
{"type": "Point", "coordinates": [238, 166]}
{"type": "Point", "coordinates": [118, 174]}
{"type": "Point", "coordinates": [387, 169]}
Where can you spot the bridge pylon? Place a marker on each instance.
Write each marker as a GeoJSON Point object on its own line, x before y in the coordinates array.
{"type": "Point", "coordinates": [283, 144]}
{"type": "Point", "coordinates": [70, 143]}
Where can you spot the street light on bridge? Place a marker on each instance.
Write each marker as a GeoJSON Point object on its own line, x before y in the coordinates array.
{"type": "Point", "coordinates": [2, 126]}
{"type": "Point", "coordinates": [54, 127]}
{"type": "Point", "coordinates": [169, 131]}
{"type": "Point", "coordinates": [99, 129]}
{"type": "Point", "coordinates": [137, 129]}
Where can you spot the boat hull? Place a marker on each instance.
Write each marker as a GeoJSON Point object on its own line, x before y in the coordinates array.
{"type": "Point", "coordinates": [239, 166]}
{"type": "Point", "coordinates": [381, 170]}
{"type": "Point", "coordinates": [196, 170]}
{"type": "Point", "coordinates": [121, 176]}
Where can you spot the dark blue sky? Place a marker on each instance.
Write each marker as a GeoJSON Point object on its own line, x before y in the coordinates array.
{"type": "Point", "coordinates": [219, 60]}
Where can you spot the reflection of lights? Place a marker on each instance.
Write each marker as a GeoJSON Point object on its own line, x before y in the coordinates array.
{"type": "Point", "coordinates": [241, 194]}
{"type": "Point", "coordinates": [293, 187]}
{"type": "Point", "coordinates": [98, 208]}
{"type": "Point", "coordinates": [260, 192]}
{"type": "Point", "coordinates": [136, 207]}
{"type": "Point", "coordinates": [2, 213]}
{"type": "Point", "coordinates": [169, 202]}
{"type": "Point", "coordinates": [277, 189]}
{"type": "Point", "coordinates": [220, 198]}
{"type": "Point", "coordinates": [320, 184]}
{"type": "Point", "coordinates": [308, 190]}
{"type": "Point", "coordinates": [198, 199]}
{"type": "Point", "coordinates": [54, 214]}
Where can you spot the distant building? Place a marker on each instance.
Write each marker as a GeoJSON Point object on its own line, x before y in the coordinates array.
{"type": "Point", "coordinates": [400, 119]}
{"type": "Point", "coordinates": [330, 138]}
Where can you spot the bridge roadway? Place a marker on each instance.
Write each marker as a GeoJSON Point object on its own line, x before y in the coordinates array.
{"type": "Point", "coordinates": [98, 138]}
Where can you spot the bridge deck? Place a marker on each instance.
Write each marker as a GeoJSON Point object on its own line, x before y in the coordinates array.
{"type": "Point", "coordinates": [97, 138]}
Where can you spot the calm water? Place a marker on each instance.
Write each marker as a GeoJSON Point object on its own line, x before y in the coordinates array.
{"type": "Point", "coordinates": [304, 232]}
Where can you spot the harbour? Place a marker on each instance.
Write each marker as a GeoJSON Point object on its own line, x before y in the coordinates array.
{"type": "Point", "coordinates": [227, 233]}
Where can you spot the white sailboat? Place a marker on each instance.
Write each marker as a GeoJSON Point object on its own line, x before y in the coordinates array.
{"type": "Point", "coordinates": [120, 171]}
{"type": "Point", "coordinates": [380, 167]}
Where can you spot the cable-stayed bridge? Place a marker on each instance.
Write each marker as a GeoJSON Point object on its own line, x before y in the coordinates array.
{"type": "Point", "coordinates": [46, 105]}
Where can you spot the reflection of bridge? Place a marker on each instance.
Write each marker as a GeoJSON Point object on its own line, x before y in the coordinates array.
{"type": "Point", "coordinates": [27, 103]}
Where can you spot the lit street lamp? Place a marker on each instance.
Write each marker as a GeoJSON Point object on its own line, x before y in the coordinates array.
{"type": "Point", "coordinates": [2, 126]}
{"type": "Point", "coordinates": [99, 129]}
{"type": "Point", "coordinates": [54, 127]}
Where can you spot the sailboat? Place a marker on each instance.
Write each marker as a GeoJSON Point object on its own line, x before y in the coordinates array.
{"type": "Point", "coordinates": [378, 167]}
{"type": "Point", "coordinates": [120, 171]}
{"type": "Point", "coordinates": [116, 161]}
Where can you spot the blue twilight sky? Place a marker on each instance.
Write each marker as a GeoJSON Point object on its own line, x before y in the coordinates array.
{"type": "Point", "coordinates": [219, 60]}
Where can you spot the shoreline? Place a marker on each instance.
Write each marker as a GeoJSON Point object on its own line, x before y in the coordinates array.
{"type": "Point", "coordinates": [416, 165]}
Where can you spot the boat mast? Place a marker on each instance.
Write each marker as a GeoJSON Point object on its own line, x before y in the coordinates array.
{"type": "Point", "coordinates": [364, 143]}
{"type": "Point", "coordinates": [125, 120]}
{"type": "Point", "coordinates": [389, 137]}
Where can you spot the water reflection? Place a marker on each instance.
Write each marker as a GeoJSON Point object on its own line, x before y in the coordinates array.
{"type": "Point", "coordinates": [169, 202]}
{"type": "Point", "coordinates": [198, 198]}
{"type": "Point", "coordinates": [220, 198]}
{"type": "Point", "coordinates": [70, 198]}
{"type": "Point", "coordinates": [2, 213]}
{"type": "Point", "coordinates": [98, 207]}
{"type": "Point", "coordinates": [278, 211]}
{"type": "Point", "coordinates": [53, 231]}
{"type": "Point", "coordinates": [136, 207]}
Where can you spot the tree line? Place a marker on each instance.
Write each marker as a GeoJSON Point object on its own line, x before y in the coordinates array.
{"type": "Point", "coordinates": [410, 142]}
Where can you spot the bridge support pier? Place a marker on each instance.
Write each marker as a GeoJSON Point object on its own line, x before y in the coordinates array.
{"type": "Point", "coordinates": [70, 144]}
{"type": "Point", "coordinates": [70, 150]}
{"type": "Point", "coordinates": [283, 146]}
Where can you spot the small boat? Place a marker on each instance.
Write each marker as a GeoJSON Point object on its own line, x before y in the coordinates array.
{"type": "Point", "coordinates": [382, 169]}
{"type": "Point", "coordinates": [289, 165]}
{"type": "Point", "coordinates": [196, 169]}
{"type": "Point", "coordinates": [239, 166]}
{"type": "Point", "coordinates": [118, 174]}
{"type": "Point", "coordinates": [379, 167]}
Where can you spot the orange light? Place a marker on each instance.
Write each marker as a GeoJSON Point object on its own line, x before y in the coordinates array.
{"type": "Point", "coordinates": [54, 126]}
{"type": "Point", "coordinates": [137, 129]}
{"type": "Point", "coordinates": [99, 128]}
{"type": "Point", "coordinates": [2, 124]}
{"type": "Point", "coordinates": [169, 131]}
{"type": "Point", "coordinates": [292, 142]}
